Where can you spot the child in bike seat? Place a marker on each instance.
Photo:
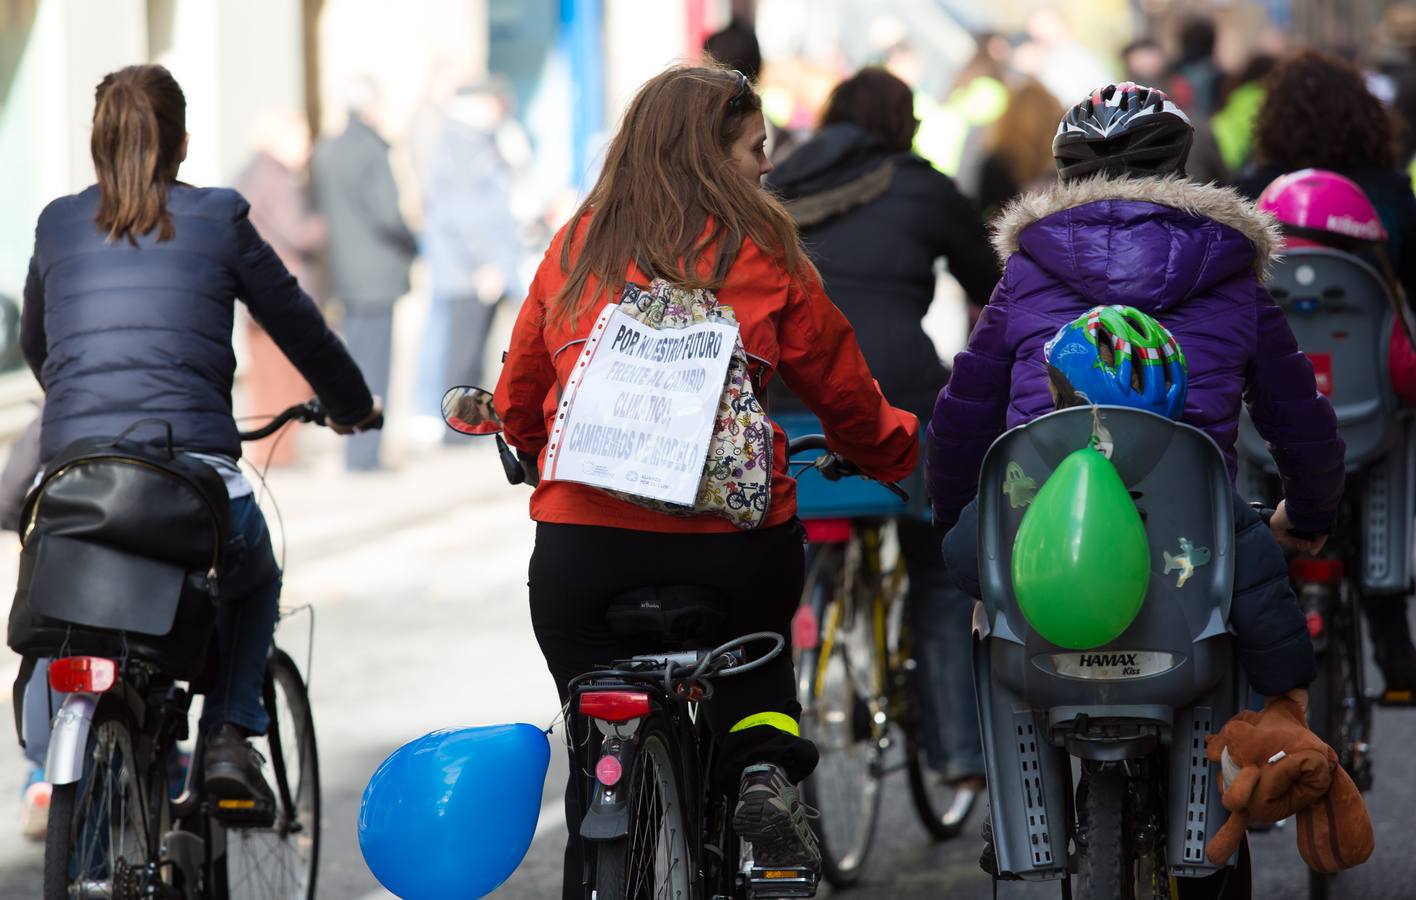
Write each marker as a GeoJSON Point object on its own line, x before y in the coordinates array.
{"type": "Point", "coordinates": [1124, 227]}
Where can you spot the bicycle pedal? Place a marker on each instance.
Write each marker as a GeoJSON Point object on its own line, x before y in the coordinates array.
{"type": "Point", "coordinates": [1396, 698]}
{"type": "Point", "coordinates": [243, 813]}
{"type": "Point", "coordinates": [794, 881]}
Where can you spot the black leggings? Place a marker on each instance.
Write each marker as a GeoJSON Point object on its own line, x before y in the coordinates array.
{"type": "Point", "coordinates": [578, 570]}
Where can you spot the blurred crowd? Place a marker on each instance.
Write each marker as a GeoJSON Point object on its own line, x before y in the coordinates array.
{"type": "Point", "coordinates": [452, 185]}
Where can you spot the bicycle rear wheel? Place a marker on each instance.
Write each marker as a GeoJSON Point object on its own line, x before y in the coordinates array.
{"type": "Point", "coordinates": [652, 862]}
{"type": "Point", "coordinates": [839, 699]}
{"type": "Point", "coordinates": [280, 862]}
{"type": "Point", "coordinates": [100, 831]}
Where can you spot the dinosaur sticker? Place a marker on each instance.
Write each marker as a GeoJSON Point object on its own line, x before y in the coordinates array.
{"type": "Point", "coordinates": [1185, 561]}
{"type": "Point", "coordinates": [1018, 486]}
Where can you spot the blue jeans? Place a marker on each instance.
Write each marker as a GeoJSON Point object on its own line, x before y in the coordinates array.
{"type": "Point", "coordinates": [941, 635]}
{"type": "Point", "coordinates": [245, 623]}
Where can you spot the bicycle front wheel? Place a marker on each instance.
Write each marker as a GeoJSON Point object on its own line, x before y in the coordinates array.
{"type": "Point", "coordinates": [280, 862]}
{"type": "Point", "coordinates": [840, 698]}
{"type": "Point", "coordinates": [942, 808]}
{"type": "Point", "coordinates": [651, 862]}
{"type": "Point", "coordinates": [99, 827]}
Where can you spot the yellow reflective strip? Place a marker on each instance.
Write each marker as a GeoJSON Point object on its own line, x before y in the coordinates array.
{"type": "Point", "coordinates": [779, 721]}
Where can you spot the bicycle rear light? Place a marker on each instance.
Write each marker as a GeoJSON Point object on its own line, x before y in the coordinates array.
{"type": "Point", "coordinates": [1316, 571]}
{"type": "Point", "coordinates": [82, 674]}
{"type": "Point", "coordinates": [806, 628]}
{"type": "Point", "coordinates": [614, 706]}
{"type": "Point", "coordinates": [1316, 626]}
{"type": "Point", "coordinates": [827, 531]}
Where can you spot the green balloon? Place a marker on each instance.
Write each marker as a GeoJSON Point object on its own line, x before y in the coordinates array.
{"type": "Point", "coordinates": [1081, 562]}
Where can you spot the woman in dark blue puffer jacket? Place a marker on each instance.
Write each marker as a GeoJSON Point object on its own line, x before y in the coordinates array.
{"type": "Point", "coordinates": [127, 315]}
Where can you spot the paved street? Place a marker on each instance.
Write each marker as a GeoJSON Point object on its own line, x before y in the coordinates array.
{"type": "Point", "coordinates": [417, 582]}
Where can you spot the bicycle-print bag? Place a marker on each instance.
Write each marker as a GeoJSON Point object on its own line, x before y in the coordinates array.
{"type": "Point", "coordinates": [737, 472]}
{"type": "Point", "coordinates": [123, 542]}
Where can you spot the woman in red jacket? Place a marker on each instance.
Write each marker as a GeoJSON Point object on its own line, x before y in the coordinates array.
{"type": "Point", "coordinates": [679, 198]}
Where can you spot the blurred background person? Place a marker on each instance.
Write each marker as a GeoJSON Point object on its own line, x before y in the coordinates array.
{"type": "Point", "coordinates": [1144, 62]}
{"type": "Point", "coordinates": [274, 183]}
{"type": "Point", "coordinates": [1194, 79]}
{"type": "Point", "coordinates": [370, 246]}
{"type": "Point", "coordinates": [1233, 123]}
{"type": "Point", "coordinates": [1019, 147]}
{"type": "Point", "coordinates": [874, 217]}
{"type": "Point", "coordinates": [471, 241]}
{"type": "Point", "coordinates": [1319, 113]}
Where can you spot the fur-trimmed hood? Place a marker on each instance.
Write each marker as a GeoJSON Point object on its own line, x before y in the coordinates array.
{"type": "Point", "coordinates": [1190, 200]}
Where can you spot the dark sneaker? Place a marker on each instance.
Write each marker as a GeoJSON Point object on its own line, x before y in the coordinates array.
{"type": "Point", "coordinates": [771, 816]}
{"type": "Point", "coordinates": [237, 791]}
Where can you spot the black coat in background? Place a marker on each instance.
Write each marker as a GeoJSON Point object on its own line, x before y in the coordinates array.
{"type": "Point", "coordinates": [874, 221]}
{"type": "Point", "coordinates": [370, 246]}
{"type": "Point", "coordinates": [117, 333]}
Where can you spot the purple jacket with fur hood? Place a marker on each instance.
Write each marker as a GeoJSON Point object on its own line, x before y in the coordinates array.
{"type": "Point", "coordinates": [1189, 254]}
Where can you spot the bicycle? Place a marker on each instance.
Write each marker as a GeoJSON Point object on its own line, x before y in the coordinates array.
{"type": "Point", "coordinates": [653, 824]}
{"type": "Point", "coordinates": [117, 833]}
{"type": "Point", "coordinates": [857, 679]}
{"type": "Point", "coordinates": [1340, 709]}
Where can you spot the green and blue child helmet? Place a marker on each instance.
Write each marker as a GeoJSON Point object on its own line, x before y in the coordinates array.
{"type": "Point", "coordinates": [1118, 356]}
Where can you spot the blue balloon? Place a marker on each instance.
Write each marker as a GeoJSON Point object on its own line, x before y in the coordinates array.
{"type": "Point", "coordinates": [453, 813]}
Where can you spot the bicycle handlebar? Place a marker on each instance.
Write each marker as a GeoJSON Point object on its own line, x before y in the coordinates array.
{"type": "Point", "coordinates": [310, 411]}
{"type": "Point", "coordinates": [832, 465]}
{"type": "Point", "coordinates": [673, 670]}
{"type": "Point", "coordinates": [1266, 513]}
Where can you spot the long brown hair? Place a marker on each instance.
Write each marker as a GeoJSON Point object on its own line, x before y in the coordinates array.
{"type": "Point", "coordinates": [139, 123]}
{"type": "Point", "coordinates": [668, 197]}
{"type": "Point", "coordinates": [1021, 138]}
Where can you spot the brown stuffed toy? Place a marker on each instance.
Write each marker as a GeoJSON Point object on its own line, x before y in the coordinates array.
{"type": "Point", "coordinates": [1273, 767]}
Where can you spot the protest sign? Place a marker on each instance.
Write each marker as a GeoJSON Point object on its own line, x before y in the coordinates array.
{"type": "Point", "coordinates": [637, 413]}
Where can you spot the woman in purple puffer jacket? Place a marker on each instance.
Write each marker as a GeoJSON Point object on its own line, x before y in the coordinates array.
{"type": "Point", "coordinates": [1124, 226]}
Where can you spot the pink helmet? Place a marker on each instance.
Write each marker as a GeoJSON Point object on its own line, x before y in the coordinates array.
{"type": "Point", "coordinates": [1317, 208]}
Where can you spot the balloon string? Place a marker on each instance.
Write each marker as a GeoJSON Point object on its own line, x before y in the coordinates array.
{"type": "Point", "coordinates": [1096, 427]}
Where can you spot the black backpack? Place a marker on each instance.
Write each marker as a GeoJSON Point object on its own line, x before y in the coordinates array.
{"type": "Point", "coordinates": [122, 551]}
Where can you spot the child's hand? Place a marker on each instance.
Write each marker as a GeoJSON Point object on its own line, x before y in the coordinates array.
{"type": "Point", "coordinates": [1282, 526]}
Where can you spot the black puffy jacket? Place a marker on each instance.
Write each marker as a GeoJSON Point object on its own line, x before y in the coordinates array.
{"type": "Point", "coordinates": [117, 333]}
{"type": "Point", "coordinates": [874, 221]}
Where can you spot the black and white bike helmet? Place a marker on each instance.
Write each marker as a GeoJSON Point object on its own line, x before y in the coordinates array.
{"type": "Point", "coordinates": [1123, 129]}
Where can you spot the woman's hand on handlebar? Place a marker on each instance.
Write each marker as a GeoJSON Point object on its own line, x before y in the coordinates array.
{"type": "Point", "coordinates": [1282, 528]}
{"type": "Point", "coordinates": [372, 421]}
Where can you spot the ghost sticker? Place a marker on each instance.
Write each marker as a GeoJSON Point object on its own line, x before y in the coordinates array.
{"type": "Point", "coordinates": [1019, 487]}
{"type": "Point", "coordinates": [1185, 561]}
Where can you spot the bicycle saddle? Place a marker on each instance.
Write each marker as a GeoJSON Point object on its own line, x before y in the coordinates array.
{"type": "Point", "coordinates": [679, 613]}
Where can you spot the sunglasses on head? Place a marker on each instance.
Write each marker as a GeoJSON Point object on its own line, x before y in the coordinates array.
{"type": "Point", "coordinates": [741, 98]}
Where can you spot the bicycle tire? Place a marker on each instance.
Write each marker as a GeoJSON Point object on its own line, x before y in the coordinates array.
{"type": "Point", "coordinates": [837, 718]}
{"type": "Point", "coordinates": [280, 862]}
{"type": "Point", "coordinates": [924, 796]}
{"type": "Point", "coordinates": [71, 804]}
{"type": "Point", "coordinates": [1104, 863]}
{"type": "Point", "coordinates": [656, 810]}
